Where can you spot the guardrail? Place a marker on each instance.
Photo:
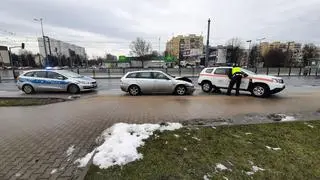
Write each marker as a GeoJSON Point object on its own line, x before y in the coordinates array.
{"type": "Point", "coordinates": [190, 72]}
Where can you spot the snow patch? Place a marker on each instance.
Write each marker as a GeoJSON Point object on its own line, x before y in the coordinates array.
{"type": "Point", "coordinates": [309, 125]}
{"type": "Point", "coordinates": [53, 171]}
{"type": "Point", "coordinates": [176, 135]}
{"type": "Point", "coordinates": [254, 170]}
{"type": "Point", "coordinates": [185, 149]}
{"type": "Point", "coordinates": [271, 148]}
{"type": "Point", "coordinates": [205, 177]}
{"type": "Point", "coordinates": [225, 178]}
{"type": "Point", "coordinates": [121, 142]}
{"type": "Point", "coordinates": [196, 138]}
{"type": "Point", "coordinates": [248, 133]}
{"type": "Point", "coordinates": [17, 174]}
{"type": "Point", "coordinates": [221, 167]}
{"type": "Point", "coordinates": [70, 150]}
{"type": "Point", "coordinates": [288, 118]}
{"type": "Point", "coordinates": [84, 161]}
{"type": "Point", "coordinates": [213, 127]}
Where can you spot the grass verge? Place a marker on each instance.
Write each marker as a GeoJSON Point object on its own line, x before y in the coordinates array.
{"type": "Point", "coordinates": [28, 101]}
{"type": "Point", "coordinates": [194, 153]}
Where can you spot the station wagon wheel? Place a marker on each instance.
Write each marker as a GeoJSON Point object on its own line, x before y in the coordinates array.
{"type": "Point", "coordinates": [134, 90]}
{"type": "Point", "coordinates": [73, 89]}
{"type": "Point", "coordinates": [206, 87]}
{"type": "Point", "coordinates": [28, 89]}
{"type": "Point", "coordinates": [260, 90]}
{"type": "Point", "coordinates": [181, 90]}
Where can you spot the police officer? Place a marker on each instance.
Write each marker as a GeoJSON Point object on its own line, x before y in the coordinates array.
{"type": "Point", "coordinates": [235, 75]}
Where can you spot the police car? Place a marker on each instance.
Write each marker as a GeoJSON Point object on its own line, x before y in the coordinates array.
{"type": "Point", "coordinates": [216, 78]}
{"type": "Point", "coordinates": [54, 80]}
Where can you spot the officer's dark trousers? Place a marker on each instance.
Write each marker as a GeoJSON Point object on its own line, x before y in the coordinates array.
{"type": "Point", "coordinates": [235, 80]}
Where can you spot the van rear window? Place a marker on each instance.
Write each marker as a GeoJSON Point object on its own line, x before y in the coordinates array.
{"type": "Point", "coordinates": [209, 70]}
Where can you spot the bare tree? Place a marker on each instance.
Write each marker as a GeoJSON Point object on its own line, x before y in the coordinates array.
{"type": "Point", "coordinates": [235, 46]}
{"type": "Point", "coordinates": [254, 56]}
{"type": "Point", "coordinates": [235, 42]}
{"type": "Point", "coordinates": [140, 47]}
{"type": "Point", "coordinates": [275, 58]}
{"type": "Point", "coordinates": [309, 51]}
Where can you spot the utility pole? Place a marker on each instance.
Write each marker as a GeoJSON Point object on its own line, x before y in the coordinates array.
{"type": "Point", "coordinates": [207, 46]}
{"type": "Point", "coordinates": [43, 38]}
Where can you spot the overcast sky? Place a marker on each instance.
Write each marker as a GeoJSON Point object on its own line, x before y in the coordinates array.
{"type": "Point", "coordinates": [108, 26]}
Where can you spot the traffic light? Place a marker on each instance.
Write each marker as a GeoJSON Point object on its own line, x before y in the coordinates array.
{"type": "Point", "coordinates": [22, 45]}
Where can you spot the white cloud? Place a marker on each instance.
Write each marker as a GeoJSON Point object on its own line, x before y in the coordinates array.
{"type": "Point", "coordinates": [109, 26]}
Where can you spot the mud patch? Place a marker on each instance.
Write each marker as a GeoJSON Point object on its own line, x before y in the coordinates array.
{"type": "Point", "coordinates": [7, 101]}
{"type": "Point", "coordinates": [206, 122]}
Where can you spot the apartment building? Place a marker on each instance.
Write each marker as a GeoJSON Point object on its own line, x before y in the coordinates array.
{"type": "Point", "coordinates": [188, 48]}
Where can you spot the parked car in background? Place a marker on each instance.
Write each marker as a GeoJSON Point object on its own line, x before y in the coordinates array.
{"type": "Point", "coordinates": [215, 78]}
{"type": "Point", "coordinates": [54, 80]}
{"type": "Point", "coordinates": [138, 82]}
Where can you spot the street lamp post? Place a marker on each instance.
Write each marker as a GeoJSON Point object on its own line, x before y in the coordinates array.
{"type": "Point", "coordinates": [207, 45]}
{"type": "Point", "coordinates": [43, 38]}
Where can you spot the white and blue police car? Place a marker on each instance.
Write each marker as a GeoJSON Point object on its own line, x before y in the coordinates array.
{"type": "Point", "coordinates": [54, 80]}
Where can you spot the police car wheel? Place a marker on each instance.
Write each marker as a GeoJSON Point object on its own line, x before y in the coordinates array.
{"type": "Point", "coordinates": [28, 89]}
{"type": "Point", "coordinates": [206, 87]}
{"type": "Point", "coordinates": [260, 90]}
{"type": "Point", "coordinates": [73, 89]}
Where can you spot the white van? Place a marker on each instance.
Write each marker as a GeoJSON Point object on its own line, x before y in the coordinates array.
{"type": "Point", "coordinates": [259, 85]}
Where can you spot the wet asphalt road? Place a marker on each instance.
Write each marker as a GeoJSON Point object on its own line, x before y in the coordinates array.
{"type": "Point", "coordinates": [112, 86]}
{"type": "Point", "coordinates": [34, 140]}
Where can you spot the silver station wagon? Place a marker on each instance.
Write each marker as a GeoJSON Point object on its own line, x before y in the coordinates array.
{"type": "Point", "coordinates": [138, 82]}
{"type": "Point", "coordinates": [54, 80]}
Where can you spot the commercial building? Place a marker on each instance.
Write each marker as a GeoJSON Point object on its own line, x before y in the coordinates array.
{"type": "Point", "coordinates": [186, 48]}
{"type": "Point", "coordinates": [4, 56]}
{"type": "Point", "coordinates": [59, 48]}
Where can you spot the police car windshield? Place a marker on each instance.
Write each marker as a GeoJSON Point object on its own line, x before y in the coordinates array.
{"type": "Point", "coordinates": [71, 74]}
{"type": "Point", "coordinates": [248, 72]}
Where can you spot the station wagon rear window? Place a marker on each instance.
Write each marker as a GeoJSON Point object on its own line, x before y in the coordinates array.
{"type": "Point", "coordinates": [144, 75]}
{"type": "Point", "coordinates": [132, 75]}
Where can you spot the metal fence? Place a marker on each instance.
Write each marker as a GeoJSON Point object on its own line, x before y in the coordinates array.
{"type": "Point", "coordinates": [190, 72]}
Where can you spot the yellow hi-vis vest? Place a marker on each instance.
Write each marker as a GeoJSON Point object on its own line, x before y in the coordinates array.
{"type": "Point", "coordinates": [236, 70]}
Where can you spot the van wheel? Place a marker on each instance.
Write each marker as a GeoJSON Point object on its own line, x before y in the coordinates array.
{"type": "Point", "coordinates": [260, 90]}
{"type": "Point", "coordinates": [73, 89]}
{"type": "Point", "coordinates": [134, 90]}
{"type": "Point", "coordinates": [28, 89]}
{"type": "Point", "coordinates": [206, 86]}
